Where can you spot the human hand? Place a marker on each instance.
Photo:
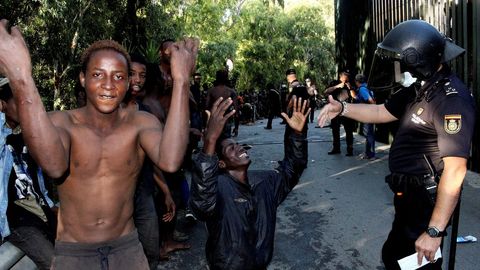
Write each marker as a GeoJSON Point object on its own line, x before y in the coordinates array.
{"type": "Point", "coordinates": [299, 116]}
{"type": "Point", "coordinates": [15, 59]}
{"type": "Point", "coordinates": [329, 111]}
{"type": "Point", "coordinates": [170, 207]}
{"type": "Point", "coordinates": [183, 55]}
{"type": "Point", "coordinates": [426, 246]}
{"type": "Point", "coordinates": [216, 119]}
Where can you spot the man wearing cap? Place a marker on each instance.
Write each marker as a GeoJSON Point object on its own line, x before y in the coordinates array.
{"type": "Point", "coordinates": [428, 157]}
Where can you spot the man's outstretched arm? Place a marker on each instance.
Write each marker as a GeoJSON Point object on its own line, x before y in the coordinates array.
{"type": "Point", "coordinates": [169, 153]}
{"type": "Point", "coordinates": [296, 150]}
{"type": "Point", "coordinates": [47, 145]}
{"type": "Point", "coordinates": [203, 191]}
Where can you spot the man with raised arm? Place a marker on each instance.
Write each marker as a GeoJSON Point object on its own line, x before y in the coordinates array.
{"type": "Point", "coordinates": [428, 157]}
{"type": "Point", "coordinates": [96, 152]}
{"type": "Point", "coordinates": [239, 205]}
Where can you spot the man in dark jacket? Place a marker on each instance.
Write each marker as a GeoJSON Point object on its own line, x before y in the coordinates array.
{"type": "Point", "coordinates": [239, 206]}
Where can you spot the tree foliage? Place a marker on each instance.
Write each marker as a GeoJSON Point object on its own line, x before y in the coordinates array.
{"type": "Point", "coordinates": [262, 37]}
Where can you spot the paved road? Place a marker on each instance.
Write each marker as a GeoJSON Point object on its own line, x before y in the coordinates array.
{"type": "Point", "coordinates": [339, 214]}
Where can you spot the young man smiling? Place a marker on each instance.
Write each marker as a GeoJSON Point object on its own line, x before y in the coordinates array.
{"type": "Point", "coordinates": [238, 205]}
{"type": "Point", "coordinates": [96, 152]}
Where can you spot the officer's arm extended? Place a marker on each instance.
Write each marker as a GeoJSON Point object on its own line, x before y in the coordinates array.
{"type": "Point", "coordinates": [366, 113]}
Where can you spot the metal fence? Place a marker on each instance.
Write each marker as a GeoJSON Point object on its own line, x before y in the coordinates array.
{"type": "Point", "coordinates": [360, 25]}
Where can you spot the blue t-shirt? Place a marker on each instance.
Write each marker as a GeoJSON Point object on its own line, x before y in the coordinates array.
{"type": "Point", "coordinates": [364, 94]}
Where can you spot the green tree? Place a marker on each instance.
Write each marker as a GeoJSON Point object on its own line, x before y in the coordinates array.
{"type": "Point", "coordinates": [262, 37]}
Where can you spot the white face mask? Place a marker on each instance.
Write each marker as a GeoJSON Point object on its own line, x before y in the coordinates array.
{"type": "Point", "coordinates": [405, 79]}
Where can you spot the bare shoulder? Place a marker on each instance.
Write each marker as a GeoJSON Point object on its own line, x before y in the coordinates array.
{"type": "Point", "coordinates": [145, 119]}
{"type": "Point", "coordinates": [61, 118]}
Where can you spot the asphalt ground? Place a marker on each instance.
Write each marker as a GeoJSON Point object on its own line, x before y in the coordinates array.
{"type": "Point", "coordinates": [340, 213]}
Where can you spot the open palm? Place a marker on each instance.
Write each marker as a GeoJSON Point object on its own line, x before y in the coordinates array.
{"type": "Point", "coordinates": [299, 116]}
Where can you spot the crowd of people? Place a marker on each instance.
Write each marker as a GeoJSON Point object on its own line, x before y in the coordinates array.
{"type": "Point", "coordinates": [116, 182]}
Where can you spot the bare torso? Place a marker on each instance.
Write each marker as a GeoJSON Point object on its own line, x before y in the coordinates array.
{"type": "Point", "coordinates": [96, 199]}
{"type": "Point", "coordinates": [220, 91]}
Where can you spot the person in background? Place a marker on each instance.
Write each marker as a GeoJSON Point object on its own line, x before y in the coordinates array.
{"type": "Point", "coordinates": [366, 96]}
{"type": "Point", "coordinates": [341, 90]}
{"type": "Point", "coordinates": [27, 214]}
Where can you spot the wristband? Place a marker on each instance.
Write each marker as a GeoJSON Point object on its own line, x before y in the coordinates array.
{"type": "Point", "coordinates": [344, 108]}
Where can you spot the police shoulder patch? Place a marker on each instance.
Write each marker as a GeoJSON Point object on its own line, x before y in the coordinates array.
{"type": "Point", "coordinates": [449, 89]}
{"type": "Point", "coordinates": [452, 123]}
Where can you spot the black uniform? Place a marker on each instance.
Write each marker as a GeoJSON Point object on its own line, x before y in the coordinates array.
{"type": "Point", "coordinates": [436, 122]}
{"type": "Point", "coordinates": [274, 106]}
{"type": "Point", "coordinates": [348, 124]}
{"type": "Point", "coordinates": [300, 91]}
{"type": "Point", "coordinates": [241, 218]}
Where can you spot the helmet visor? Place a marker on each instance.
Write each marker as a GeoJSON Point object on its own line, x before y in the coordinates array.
{"type": "Point", "coordinates": [385, 70]}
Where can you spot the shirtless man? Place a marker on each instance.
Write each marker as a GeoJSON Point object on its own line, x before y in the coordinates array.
{"type": "Point", "coordinates": [98, 149]}
{"type": "Point", "coordinates": [221, 90]}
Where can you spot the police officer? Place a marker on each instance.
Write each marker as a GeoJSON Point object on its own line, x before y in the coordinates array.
{"type": "Point", "coordinates": [341, 90]}
{"type": "Point", "coordinates": [432, 145]}
{"type": "Point", "coordinates": [298, 90]}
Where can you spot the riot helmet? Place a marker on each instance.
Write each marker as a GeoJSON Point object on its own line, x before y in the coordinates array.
{"type": "Point", "coordinates": [412, 46]}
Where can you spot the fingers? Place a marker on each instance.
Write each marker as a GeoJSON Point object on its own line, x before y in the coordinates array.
{"type": "Point", "coordinates": [15, 31]}
{"type": "Point", "coordinates": [419, 257]}
{"type": "Point", "coordinates": [323, 116]}
{"type": "Point", "coordinates": [304, 106]}
{"type": "Point", "coordinates": [225, 105]}
{"type": "Point", "coordinates": [294, 102]}
{"type": "Point", "coordinates": [330, 99]}
{"type": "Point", "coordinates": [3, 25]}
{"type": "Point", "coordinates": [220, 106]}
{"type": "Point", "coordinates": [208, 115]}
{"type": "Point", "coordinates": [192, 44]}
{"type": "Point", "coordinates": [230, 114]}
{"type": "Point", "coordinates": [216, 103]}
{"type": "Point", "coordinates": [308, 112]}
{"type": "Point", "coordinates": [284, 115]}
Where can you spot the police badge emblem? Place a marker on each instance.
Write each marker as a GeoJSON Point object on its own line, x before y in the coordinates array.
{"type": "Point", "coordinates": [453, 123]}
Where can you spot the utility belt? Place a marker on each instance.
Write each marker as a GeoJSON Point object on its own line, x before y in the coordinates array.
{"type": "Point", "coordinates": [402, 183]}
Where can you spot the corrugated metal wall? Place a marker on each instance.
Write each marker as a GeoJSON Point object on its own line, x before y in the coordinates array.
{"type": "Point", "coordinates": [458, 19]}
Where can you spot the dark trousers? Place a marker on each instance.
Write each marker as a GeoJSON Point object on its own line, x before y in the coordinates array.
{"type": "Point", "coordinates": [312, 113]}
{"type": "Point", "coordinates": [271, 114]}
{"type": "Point", "coordinates": [413, 210]}
{"type": "Point", "coordinates": [146, 220]}
{"type": "Point", "coordinates": [369, 132]}
{"type": "Point", "coordinates": [35, 243]}
{"type": "Point", "coordinates": [348, 125]}
{"type": "Point", "coordinates": [123, 253]}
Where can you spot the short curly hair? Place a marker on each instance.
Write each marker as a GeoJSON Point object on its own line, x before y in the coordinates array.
{"type": "Point", "coordinates": [103, 45]}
